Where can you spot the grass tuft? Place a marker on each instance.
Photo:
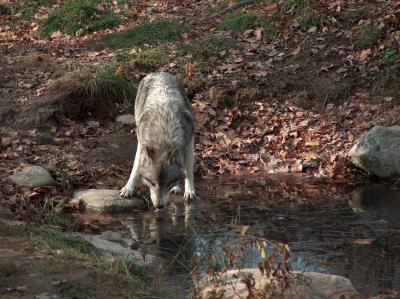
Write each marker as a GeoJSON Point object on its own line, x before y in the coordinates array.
{"type": "Point", "coordinates": [368, 37]}
{"type": "Point", "coordinates": [53, 240]}
{"type": "Point", "coordinates": [298, 6]}
{"type": "Point", "coordinates": [4, 9]}
{"type": "Point", "coordinates": [151, 59]}
{"type": "Point", "coordinates": [98, 82]}
{"type": "Point", "coordinates": [148, 33]}
{"type": "Point", "coordinates": [75, 15]}
{"type": "Point", "coordinates": [238, 21]}
{"type": "Point", "coordinates": [77, 290]}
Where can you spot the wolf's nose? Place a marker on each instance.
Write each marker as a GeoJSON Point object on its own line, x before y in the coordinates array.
{"type": "Point", "coordinates": [159, 207]}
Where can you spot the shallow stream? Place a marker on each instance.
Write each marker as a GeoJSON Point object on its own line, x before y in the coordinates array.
{"type": "Point", "coordinates": [352, 230]}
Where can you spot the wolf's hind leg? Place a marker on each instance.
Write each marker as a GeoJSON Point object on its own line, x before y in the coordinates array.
{"type": "Point", "coordinates": [127, 191]}
{"type": "Point", "coordinates": [189, 194]}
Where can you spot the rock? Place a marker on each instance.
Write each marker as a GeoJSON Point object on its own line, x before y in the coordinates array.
{"type": "Point", "coordinates": [378, 207]}
{"type": "Point", "coordinates": [126, 119]}
{"type": "Point", "coordinates": [111, 248]}
{"type": "Point", "coordinates": [32, 176]}
{"type": "Point", "coordinates": [378, 151]}
{"type": "Point", "coordinates": [106, 201]}
{"type": "Point", "coordinates": [303, 285]}
{"type": "Point", "coordinates": [117, 237]}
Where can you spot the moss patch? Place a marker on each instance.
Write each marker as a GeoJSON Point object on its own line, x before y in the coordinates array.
{"type": "Point", "coordinates": [75, 15]}
{"type": "Point", "coordinates": [148, 33]}
{"type": "Point", "coordinates": [238, 21]}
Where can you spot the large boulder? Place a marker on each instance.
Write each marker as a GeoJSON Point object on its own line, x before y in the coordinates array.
{"type": "Point", "coordinates": [302, 285]}
{"type": "Point", "coordinates": [378, 151]}
{"type": "Point", "coordinates": [106, 201]}
{"type": "Point", "coordinates": [32, 176]}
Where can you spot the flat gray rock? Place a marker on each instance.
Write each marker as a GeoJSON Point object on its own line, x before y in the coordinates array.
{"type": "Point", "coordinates": [32, 176]}
{"type": "Point", "coordinates": [378, 151]}
{"type": "Point", "coordinates": [303, 285]}
{"type": "Point", "coordinates": [126, 119]}
{"type": "Point", "coordinates": [110, 248]}
{"type": "Point", "coordinates": [106, 201]}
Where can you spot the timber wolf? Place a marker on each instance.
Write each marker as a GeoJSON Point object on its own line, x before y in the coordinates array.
{"type": "Point", "coordinates": [165, 133]}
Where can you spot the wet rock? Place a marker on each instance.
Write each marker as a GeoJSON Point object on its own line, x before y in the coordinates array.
{"type": "Point", "coordinates": [303, 285]}
{"type": "Point", "coordinates": [106, 201]}
{"type": "Point", "coordinates": [379, 208]}
{"type": "Point", "coordinates": [110, 248]}
{"type": "Point", "coordinates": [32, 176]}
{"type": "Point", "coordinates": [126, 119]}
{"type": "Point", "coordinates": [378, 151]}
{"type": "Point", "coordinates": [117, 237]}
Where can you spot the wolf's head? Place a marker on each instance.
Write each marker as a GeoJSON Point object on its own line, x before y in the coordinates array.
{"type": "Point", "coordinates": [161, 171]}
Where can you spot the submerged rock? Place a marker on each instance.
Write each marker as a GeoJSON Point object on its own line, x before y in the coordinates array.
{"type": "Point", "coordinates": [378, 151]}
{"type": "Point", "coordinates": [110, 248]}
{"type": "Point", "coordinates": [106, 201]}
{"type": "Point", "coordinates": [379, 208]}
{"type": "Point", "coordinates": [32, 176]}
{"type": "Point", "coordinates": [303, 285]}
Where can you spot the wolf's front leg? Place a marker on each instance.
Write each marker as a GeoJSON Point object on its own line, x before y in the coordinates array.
{"type": "Point", "coordinates": [127, 191]}
{"type": "Point", "coordinates": [189, 194]}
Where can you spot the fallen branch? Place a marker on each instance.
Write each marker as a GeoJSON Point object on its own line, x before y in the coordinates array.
{"type": "Point", "coordinates": [231, 8]}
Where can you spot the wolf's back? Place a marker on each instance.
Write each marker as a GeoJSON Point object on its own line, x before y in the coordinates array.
{"type": "Point", "coordinates": [163, 113]}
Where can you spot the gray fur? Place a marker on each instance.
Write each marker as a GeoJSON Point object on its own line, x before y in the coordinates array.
{"type": "Point", "coordinates": [165, 131]}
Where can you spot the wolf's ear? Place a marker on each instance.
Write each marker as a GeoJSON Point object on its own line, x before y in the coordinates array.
{"type": "Point", "coordinates": [151, 153]}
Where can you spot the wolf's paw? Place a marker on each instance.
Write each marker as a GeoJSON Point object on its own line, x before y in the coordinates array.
{"type": "Point", "coordinates": [176, 190]}
{"type": "Point", "coordinates": [189, 196]}
{"type": "Point", "coordinates": [126, 192]}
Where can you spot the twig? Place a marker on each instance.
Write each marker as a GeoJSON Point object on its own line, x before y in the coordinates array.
{"type": "Point", "coordinates": [233, 7]}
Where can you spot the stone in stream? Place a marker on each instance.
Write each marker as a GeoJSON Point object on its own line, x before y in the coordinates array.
{"type": "Point", "coordinates": [106, 201]}
{"type": "Point", "coordinates": [110, 248]}
{"type": "Point", "coordinates": [378, 151]}
{"type": "Point", "coordinates": [303, 285]}
{"type": "Point", "coordinates": [32, 176]}
{"type": "Point", "coordinates": [379, 208]}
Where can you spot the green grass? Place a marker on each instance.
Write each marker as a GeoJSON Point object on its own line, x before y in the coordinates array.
{"type": "Point", "coordinates": [126, 267]}
{"type": "Point", "coordinates": [239, 21]}
{"type": "Point", "coordinates": [147, 33]}
{"type": "Point", "coordinates": [30, 7]}
{"type": "Point", "coordinates": [98, 82]}
{"type": "Point", "coordinates": [354, 15]}
{"type": "Point", "coordinates": [205, 47]}
{"type": "Point", "coordinates": [368, 37]}
{"type": "Point", "coordinates": [77, 290]}
{"type": "Point", "coordinates": [153, 58]}
{"type": "Point", "coordinates": [4, 9]}
{"type": "Point", "coordinates": [74, 246]}
{"type": "Point", "coordinates": [54, 240]}
{"type": "Point", "coordinates": [298, 6]}
{"type": "Point", "coordinates": [342, 91]}
{"type": "Point", "coordinates": [75, 15]}
{"type": "Point", "coordinates": [389, 54]}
